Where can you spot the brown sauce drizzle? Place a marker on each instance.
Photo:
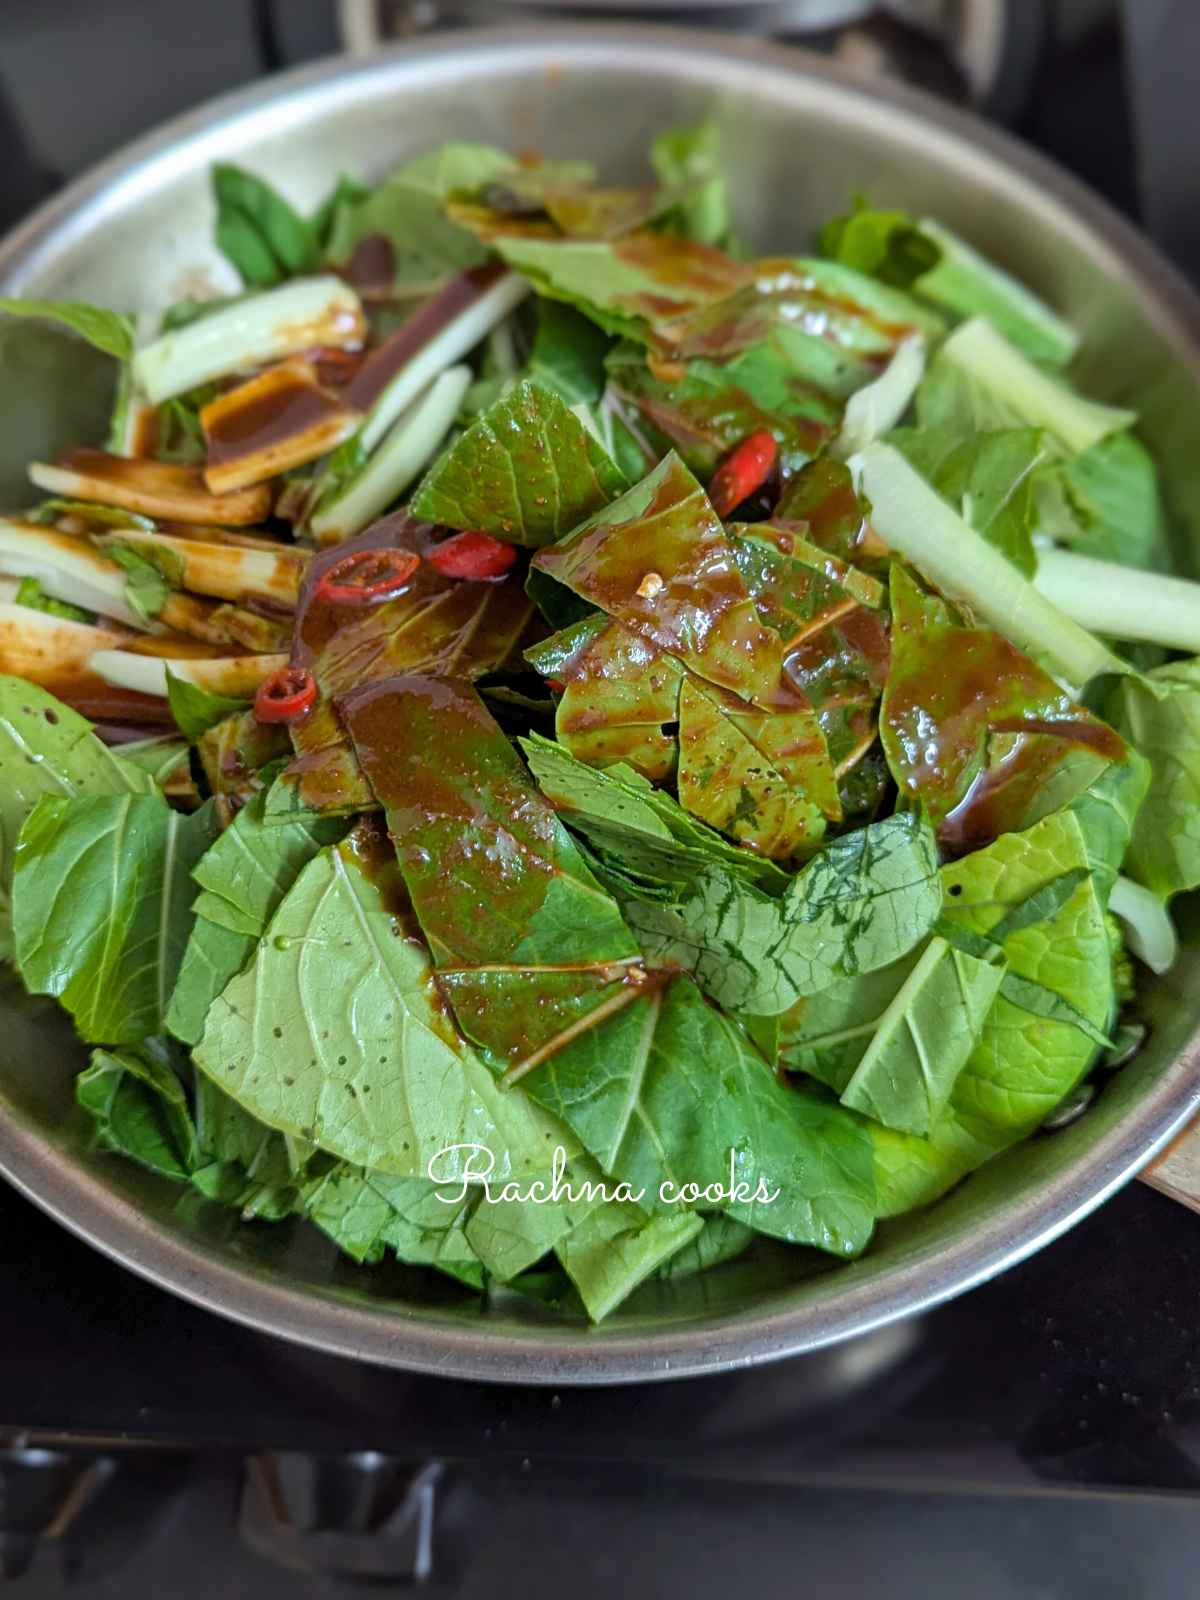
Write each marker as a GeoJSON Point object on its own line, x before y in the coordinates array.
{"type": "Point", "coordinates": [387, 359]}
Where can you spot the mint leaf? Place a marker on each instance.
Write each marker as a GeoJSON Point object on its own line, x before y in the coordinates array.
{"type": "Point", "coordinates": [258, 231]}
{"type": "Point", "coordinates": [526, 471]}
{"type": "Point", "coordinates": [196, 710]}
{"type": "Point", "coordinates": [108, 331]}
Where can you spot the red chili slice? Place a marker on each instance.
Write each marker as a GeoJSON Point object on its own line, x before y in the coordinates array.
{"type": "Point", "coordinates": [743, 470]}
{"type": "Point", "coordinates": [472, 555]}
{"type": "Point", "coordinates": [286, 696]}
{"type": "Point", "coordinates": [366, 577]}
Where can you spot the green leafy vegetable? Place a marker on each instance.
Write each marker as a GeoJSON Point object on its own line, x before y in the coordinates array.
{"type": "Point", "coordinates": [1160, 716]}
{"type": "Point", "coordinates": [102, 908]}
{"type": "Point", "coordinates": [918, 524]}
{"type": "Point", "coordinates": [978, 381]}
{"type": "Point", "coordinates": [243, 879]}
{"type": "Point", "coordinates": [936, 264]}
{"type": "Point", "coordinates": [1106, 503]}
{"type": "Point", "coordinates": [711, 407]}
{"type": "Point", "coordinates": [196, 710]}
{"type": "Point", "coordinates": [526, 471]}
{"type": "Point", "coordinates": [146, 588]}
{"type": "Point", "coordinates": [608, 1254]}
{"type": "Point", "coordinates": [923, 1039]}
{"type": "Point", "coordinates": [698, 610]}
{"type": "Point", "coordinates": [861, 903]}
{"type": "Point", "coordinates": [336, 1034]}
{"type": "Point", "coordinates": [688, 160]}
{"type": "Point", "coordinates": [764, 778]}
{"type": "Point", "coordinates": [568, 354]}
{"type": "Point", "coordinates": [140, 1108]}
{"type": "Point", "coordinates": [48, 749]}
{"type": "Point", "coordinates": [669, 1092]}
{"type": "Point", "coordinates": [258, 231]}
{"type": "Point", "coordinates": [509, 1236]}
{"type": "Point", "coordinates": [989, 478]}
{"type": "Point", "coordinates": [961, 700]}
{"type": "Point", "coordinates": [108, 331]}
{"type": "Point", "coordinates": [408, 209]}
{"type": "Point", "coordinates": [369, 1213]}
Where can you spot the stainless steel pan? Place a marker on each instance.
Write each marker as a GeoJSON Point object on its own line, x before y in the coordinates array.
{"type": "Point", "coordinates": [800, 137]}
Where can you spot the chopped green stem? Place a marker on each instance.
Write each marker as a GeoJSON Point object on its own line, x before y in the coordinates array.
{"type": "Point", "coordinates": [1149, 931]}
{"type": "Point", "coordinates": [1122, 601]}
{"type": "Point", "coordinates": [915, 521]}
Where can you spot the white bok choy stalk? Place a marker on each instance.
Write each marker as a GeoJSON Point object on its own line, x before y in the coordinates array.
{"type": "Point", "coordinates": [1149, 931]}
{"type": "Point", "coordinates": [915, 521]}
{"type": "Point", "coordinates": [250, 332]}
{"type": "Point", "coordinates": [461, 328]}
{"type": "Point", "coordinates": [1001, 387]}
{"type": "Point", "coordinates": [54, 652]}
{"type": "Point", "coordinates": [876, 408]}
{"type": "Point", "coordinates": [1123, 602]}
{"type": "Point", "coordinates": [235, 676]}
{"type": "Point", "coordinates": [150, 488]}
{"type": "Point", "coordinates": [67, 568]}
{"type": "Point", "coordinates": [398, 461]}
{"type": "Point", "coordinates": [225, 571]}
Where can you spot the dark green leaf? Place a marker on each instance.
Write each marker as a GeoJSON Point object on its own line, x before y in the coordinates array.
{"type": "Point", "coordinates": [139, 1107]}
{"type": "Point", "coordinates": [526, 471]}
{"type": "Point", "coordinates": [108, 331]}
{"type": "Point", "coordinates": [196, 710]}
{"type": "Point", "coordinates": [258, 231]}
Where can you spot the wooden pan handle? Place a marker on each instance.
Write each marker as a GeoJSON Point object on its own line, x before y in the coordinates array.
{"type": "Point", "coordinates": [1176, 1171]}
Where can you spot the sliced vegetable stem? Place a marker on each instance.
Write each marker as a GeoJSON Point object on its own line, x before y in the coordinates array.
{"type": "Point", "coordinates": [915, 521]}
{"type": "Point", "coordinates": [1121, 601]}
